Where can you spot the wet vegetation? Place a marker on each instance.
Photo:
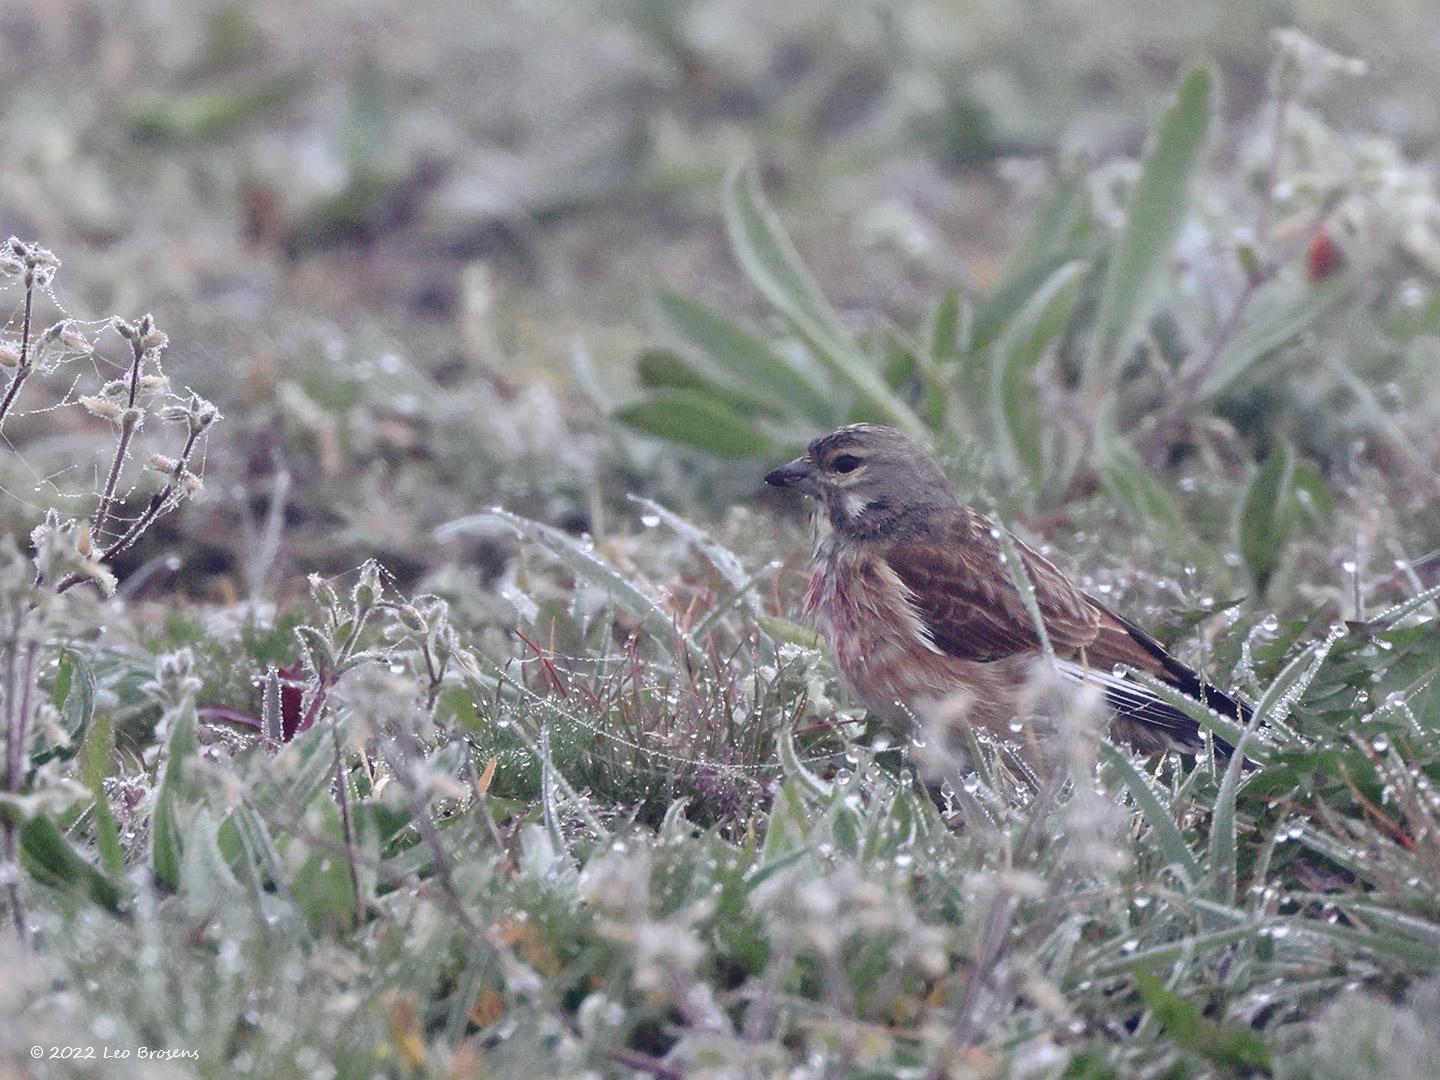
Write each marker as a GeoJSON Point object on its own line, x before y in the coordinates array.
{"type": "Point", "coordinates": [445, 708]}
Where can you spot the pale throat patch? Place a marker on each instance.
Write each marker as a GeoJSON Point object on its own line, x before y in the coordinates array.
{"type": "Point", "coordinates": [854, 504]}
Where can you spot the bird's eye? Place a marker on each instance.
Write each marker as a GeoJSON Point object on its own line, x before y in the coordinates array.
{"type": "Point", "coordinates": [845, 463]}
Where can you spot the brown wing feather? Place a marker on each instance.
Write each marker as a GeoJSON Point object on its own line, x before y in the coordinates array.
{"type": "Point", "coordinates": [971, 608]}
{"type": "Point", "coordinates": [1120, 641]}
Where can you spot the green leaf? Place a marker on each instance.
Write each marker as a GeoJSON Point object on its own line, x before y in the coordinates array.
{"type": "Point", "coordinates": [664, 369]}
{"type": "Point", "coordinates": [1157, 815]}
{"type": "Point", "coordinates": [173, 799]}
{"type": "Point", "coordinates": [95, 754]}
{"type": "Point", "coordinates": [768, 257]}
{"type": "Point", "coordinates": [322, 885]}
{"type": "Point", "coordinates": [755, 370]}
{"type": "Point", "coordinates": [49, 859]}
{"type": "Point", "coordinates": [1228, 1045]}
{"type": "Point", "coordinates": [1266, 519]}
{"type": "Point", "coordinates": [1140, 259]}
{"type": "Point", "coordinates": [1048, 241]}
{"type": "Point", "coordinates": [696, 419]}
{"type": "Point", "coordinates": [945, 328]}
{"type": "Point", "coordinates": [1014, 395]}
{"type": "Point", "coordinates": [787, 632]}
{"type": "Point", "coordinates": [1280, 312]}
{"type": "Point", "coordinates": [1126, 479]}
{"type": "Point", "coordinates": [582, 560]}
{"type": "Point", "coordinates": [211, 114]}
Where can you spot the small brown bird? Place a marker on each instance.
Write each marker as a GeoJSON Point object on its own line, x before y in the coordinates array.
{"type": "Point", "coordinates": [911, 588]}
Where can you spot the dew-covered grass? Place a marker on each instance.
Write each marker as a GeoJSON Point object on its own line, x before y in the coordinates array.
{"type": "Point", "coordinates": [449, 710]}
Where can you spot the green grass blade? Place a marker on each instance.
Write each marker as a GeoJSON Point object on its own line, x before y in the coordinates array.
{"type": "Point", "coordinates": [1265, 518]}
{"type": "Point", "coordinates": [1157, 815]}
{"type": "Point", "coordinates": [1158, 205]}
{"type": "Point", "coordinates": [1014, 395]}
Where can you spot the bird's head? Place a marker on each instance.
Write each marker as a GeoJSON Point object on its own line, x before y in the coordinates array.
{"type": "Point", "coordinates": [868, 480]}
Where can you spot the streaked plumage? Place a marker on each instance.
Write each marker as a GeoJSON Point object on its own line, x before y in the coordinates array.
{"type": "Point", "coordinates": [911, 589]}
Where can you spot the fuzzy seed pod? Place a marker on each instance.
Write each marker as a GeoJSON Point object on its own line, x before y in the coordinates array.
{"type": "Point", "coordinates": [106, 410]}
{"type": "Point", "coordinates": [160, 463]}
{"type": "Point", "coordinates": [9, 356]}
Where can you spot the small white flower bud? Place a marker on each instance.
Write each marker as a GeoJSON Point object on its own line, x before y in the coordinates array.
{"type": "Point", "coordinates": [95, 406]}
{"type": "Point", "coordinates": [71, 339]}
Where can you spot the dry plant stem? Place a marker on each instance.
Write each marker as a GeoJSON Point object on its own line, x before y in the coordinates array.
{"type": "Point", "coordinates": [1184, 396]}
{"type": "Point", "coordinates": [152, 511]}
{"type": "Point", "coordinates": [342, 796]}
{"type": "Point", "coordinates": [18, 705]}
{"type": "Point", "coordinates": [397, 755]}
{"type": "Point", "coordinates": [22, 370]}
{"type": "Point", "coordinates": [381, 869]}
{"type": "Point", "coordinates": [127, 432]}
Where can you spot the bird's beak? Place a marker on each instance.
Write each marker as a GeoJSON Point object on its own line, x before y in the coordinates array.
{"type": "Point", "coordinates": [798, 474]}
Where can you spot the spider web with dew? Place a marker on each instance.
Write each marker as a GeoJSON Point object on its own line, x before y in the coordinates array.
{"type": "Point", "coordinates": [657, 759]}
{"type": "Point", "coordinates": [66, 468]}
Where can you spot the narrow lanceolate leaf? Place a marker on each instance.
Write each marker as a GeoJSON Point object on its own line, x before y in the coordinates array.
{"type": "Point", "coordinates": [1280, 312]}
{"type": "Point", "coordinates": [48, 857]}
{"type": "Point", "coordinates": [1127, 480]}
{"type": "Point", "coordinates": [582, 560]}
{"type": "Point", "coordinates": [1014, 394]}
{"type": "Point", "coordinates": [1235, 1048]}
{"type": "Point", "coordinates": [946, 328]}
{"type": "Point", "coordinates": [751, 365]}
{"type": "Point", "coordinates": [1049, 240]}
{"type": "Point", "coordinates": [769, 259]}
{"type": "Point", "coordinates": [1265, 517]}
{"type": "Point", "coordinates": [95, 754]}
{"type": "Point", "coordinates": [1157, 815]}
{"type": "Point", "coordinates": [719, 556]}
{"type": "Point", "coordinates": [171, 801]}
{"type": "Point", "coordinates": [696, 419]}
{"type": "Point", "coordinates": [1158, 205]}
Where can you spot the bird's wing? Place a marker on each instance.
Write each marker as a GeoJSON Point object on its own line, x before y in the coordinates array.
{"type": "Point", "coordinates": [1120, 644]}
{"type": "Point", "coordinates": [970, 608]}
{"type": "Point", "coordinates": [963, 593]}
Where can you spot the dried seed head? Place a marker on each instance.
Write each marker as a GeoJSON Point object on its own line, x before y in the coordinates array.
{"type": "Point", "coordinates": [133, 418]}
{"type": "Point", "coordinates": [126, 330]}
{"type": "Point", "coordinates": [84, 544]}
{"type": "Point", "coordinates": [160, 463]}
{"type": "Point", "coordinates": [159, 383]}
{"type": "Point", "coordinates": [191, 483]}
{"type": "Point", "coordinates": [42, 257]}
{"type": "Point", "coordinates": [96, 406]}
{"type": "Point", "coordinates": [411, 617]}
{"type": "Point", "coordinates": [115, 388]}
{"type": "Point", "coordinates": [154, 340]}
{"type": "Point", "coordinates": [175, 412]}
{"type": "Point", "coordinates": [323, 592]}
{"type": "Point", "coordinates": [147, 324]}
{"type": "Point", "coordinates": [9, 355]}
{"type": "Point", "coordinates": [72, 339]}
{"type": "Point", "coordinates": [202, 415]}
